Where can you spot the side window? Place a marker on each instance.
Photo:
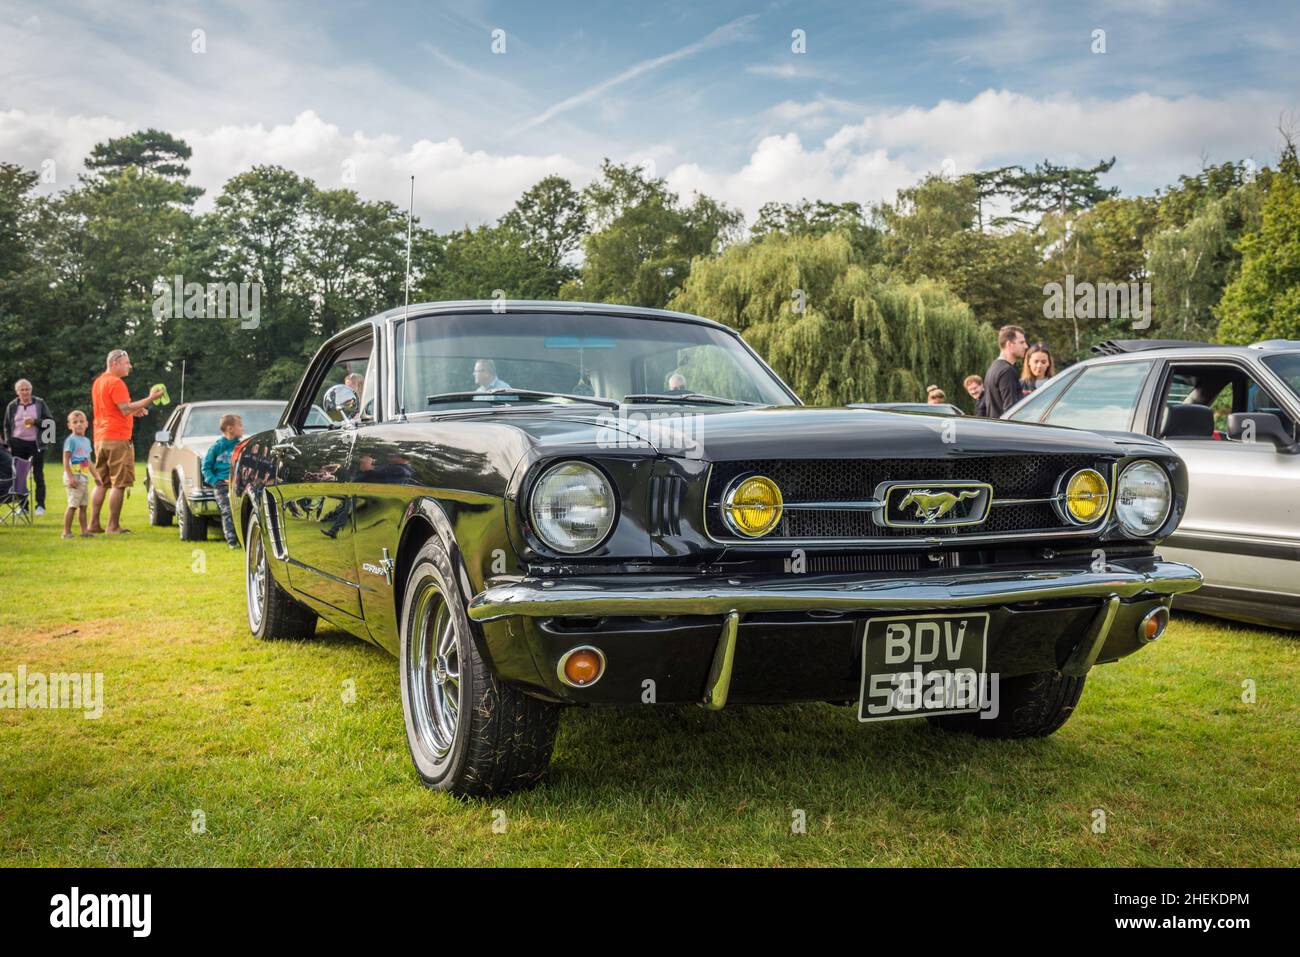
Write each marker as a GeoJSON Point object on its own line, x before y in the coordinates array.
{"type": "Point", "coordinates": [350, 367]}
{"type": "Point", "coordinates": [1225, 389]}
{"type": "Point", "coordinates": [1033, 408]}
{"type": "Point", "coordinates": [1102, 397]}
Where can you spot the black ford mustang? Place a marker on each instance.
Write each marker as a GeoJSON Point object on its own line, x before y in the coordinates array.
{"type": "Point", "coordinates": [560, 503]}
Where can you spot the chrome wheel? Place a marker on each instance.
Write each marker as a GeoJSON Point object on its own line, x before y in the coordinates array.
{"type": "Point", "coordinates": [433, 673]}
{"type": "Point", "coordinates": [255, 578]}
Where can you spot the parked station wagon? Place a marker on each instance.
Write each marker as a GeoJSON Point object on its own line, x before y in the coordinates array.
{"type": "Point", "coordinates": [1232, 413]}
{"type": "Point", "coordinates": [569, 504]}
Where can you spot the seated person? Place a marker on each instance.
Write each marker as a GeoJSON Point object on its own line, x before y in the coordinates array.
{"type": "Point", "coordinates": [6, 470]}
{"type": "Point", "coordinates": [677, 382]}
{"type": "Point", "coordinates": [485, 376]}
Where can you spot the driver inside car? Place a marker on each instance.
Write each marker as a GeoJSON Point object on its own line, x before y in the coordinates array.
{"type": "Point", "coordinates": [485, 376]}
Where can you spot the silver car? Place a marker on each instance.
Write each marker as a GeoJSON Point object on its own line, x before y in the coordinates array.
{"type": "Point", "coordinates": [1231, 412]}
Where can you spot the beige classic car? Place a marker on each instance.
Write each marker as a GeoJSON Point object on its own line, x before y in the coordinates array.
{"type": "Point", "coordinates": [174, 475]}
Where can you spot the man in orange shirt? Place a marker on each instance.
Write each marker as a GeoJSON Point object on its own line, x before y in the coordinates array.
{"type": "Point", "coordinates": [114, 412]}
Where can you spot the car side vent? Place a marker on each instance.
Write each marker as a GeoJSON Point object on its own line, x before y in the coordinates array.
{"type": "Point", "coordinates": [273, 532]}
{"type": "Point", "coordinates": [666, 504]}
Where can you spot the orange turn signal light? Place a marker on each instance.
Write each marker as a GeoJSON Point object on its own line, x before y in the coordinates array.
{"type": "Point", "coordinates": [582, 667]}
{"type": "Point", "coordinates": [1154, 624]}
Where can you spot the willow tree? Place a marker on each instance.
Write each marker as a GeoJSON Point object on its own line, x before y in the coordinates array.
{"type": "Point", "coordinates": [835, 330]}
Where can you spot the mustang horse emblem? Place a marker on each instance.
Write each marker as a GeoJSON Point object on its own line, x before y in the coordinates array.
{"type": "Point", "coordinates": [932, 506]}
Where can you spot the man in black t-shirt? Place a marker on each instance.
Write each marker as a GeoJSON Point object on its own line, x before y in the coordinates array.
{"type": "Point", "coordinates": [1002, 381]}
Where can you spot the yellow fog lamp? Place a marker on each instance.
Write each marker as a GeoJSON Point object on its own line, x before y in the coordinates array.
{"type": "Point", "coordinates": [752, 506]}
{"type": "Point", "coordinates": [1086, 497]}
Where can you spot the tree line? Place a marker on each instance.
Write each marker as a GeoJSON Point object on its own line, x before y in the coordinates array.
{"type": "Point", "coordinates": [847, 301]}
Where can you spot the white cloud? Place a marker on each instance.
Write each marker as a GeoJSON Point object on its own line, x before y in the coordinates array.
{"type": "Point", "coordinates": [782, 169]}
{"type": "Point", "coordinates": [792, 111]}
{"type": "Point", "coordinates": [1155, 138]}
{"type": "Point", "coordinates": [453, 185]}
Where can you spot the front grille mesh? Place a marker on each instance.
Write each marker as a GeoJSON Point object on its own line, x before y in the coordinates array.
{"type": "Point", "coordinates": [810, 480]}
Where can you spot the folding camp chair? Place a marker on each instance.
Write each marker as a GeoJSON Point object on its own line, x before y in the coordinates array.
{"type": "Point", "coordinates": [16, 498]}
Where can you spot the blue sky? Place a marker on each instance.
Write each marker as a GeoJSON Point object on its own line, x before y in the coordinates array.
{"type": "Point", "coordinates": [711, 96]}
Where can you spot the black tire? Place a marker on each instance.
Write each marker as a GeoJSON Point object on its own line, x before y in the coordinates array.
{"type": "Point", "coordinates": [500, 739]}
{"type": "Point", "coordinates": [193, 528]}
{"type": "Point", "coordinates": [159, 514]}
{"type": "Point", "coordinates": [272, 614]}
{"type": "Point", "coordinates": [1029, 706]}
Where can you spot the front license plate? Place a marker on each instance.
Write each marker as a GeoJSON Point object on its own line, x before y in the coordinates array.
{"type": "Point", "coordinates": [917, 665]}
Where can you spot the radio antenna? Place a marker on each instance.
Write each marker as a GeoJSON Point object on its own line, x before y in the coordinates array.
{"type": "Point", "coordinates": [410, 213]}
{"type": "Point", "coordinates": [406, 307]}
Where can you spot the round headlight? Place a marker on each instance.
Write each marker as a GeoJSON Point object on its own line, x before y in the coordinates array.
{"type": "Point", "coordinates": [1087, 496]}
{"type": "Point", "coordinates": [752, 506]}
{"type": "Point", "coordinates": [1143, 498]}
{"type": "Point", "coordinates": [572, 507]}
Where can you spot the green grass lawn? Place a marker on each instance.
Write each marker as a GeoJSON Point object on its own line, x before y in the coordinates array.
{"type": "Point", "coordinates": [200, 717]}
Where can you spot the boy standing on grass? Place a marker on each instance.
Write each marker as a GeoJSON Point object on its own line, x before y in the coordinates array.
{"type": "Point", "coordinates": [77, 455]}
{"type": "Point", "coordinates": [216, 470]}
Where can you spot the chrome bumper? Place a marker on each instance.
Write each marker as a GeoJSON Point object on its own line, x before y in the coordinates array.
{"type": "Point", "coordinates": [202, 502]}
{"type": "Point", "coordinates": [941, 589]}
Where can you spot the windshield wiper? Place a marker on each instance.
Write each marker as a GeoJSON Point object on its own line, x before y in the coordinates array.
{"type": "Point", "coordinates": [515, 394]}
{"type": "Point", "coordinates": [686, 398]}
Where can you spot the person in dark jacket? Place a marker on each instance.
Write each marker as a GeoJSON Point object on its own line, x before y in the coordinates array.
{"type": "Point", "coordinates": [28, 430]}
{"type": "Point", "coordinates": [975, 389]}
{"type": "Point", "coordinates": [1002, 381]}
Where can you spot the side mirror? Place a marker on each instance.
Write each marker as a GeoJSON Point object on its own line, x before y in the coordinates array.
{"type": "Point", "coordinates": [1258, 426]}
{"type": "Point", "coordinates": [340, 403]}
{"type": "Point", "coordinates": [163, 436]}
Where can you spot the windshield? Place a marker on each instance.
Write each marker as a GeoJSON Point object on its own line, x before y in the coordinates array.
{"type": "Point", "coordinates": [605, 357]}
{"type": "Point", "coordinates": [257, 418]}
{"type": "Point", "coordinates": [1287, 368]}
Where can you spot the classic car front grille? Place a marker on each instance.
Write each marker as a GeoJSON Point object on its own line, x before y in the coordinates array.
{"type": "Point", "coordinates": [855, 480]}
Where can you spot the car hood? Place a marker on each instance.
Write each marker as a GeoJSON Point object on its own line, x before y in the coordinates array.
{"type": "Point", "coordinates": [198, 444]}
{"type": "Point", "coordinates": [794, 432]}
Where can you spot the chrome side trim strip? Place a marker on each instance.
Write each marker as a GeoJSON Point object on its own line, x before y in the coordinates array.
{"type": "Point", "coordinates": [866, 505]}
